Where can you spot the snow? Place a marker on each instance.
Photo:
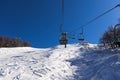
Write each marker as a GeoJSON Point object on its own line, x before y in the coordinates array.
{"type": "Point", "coordinates": [76, 62]}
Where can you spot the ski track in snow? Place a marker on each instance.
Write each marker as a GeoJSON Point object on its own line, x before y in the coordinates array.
{"type": "Point", "coordinates": [76, 62]}
{"type": "Point", "coordinates": [36, 64]}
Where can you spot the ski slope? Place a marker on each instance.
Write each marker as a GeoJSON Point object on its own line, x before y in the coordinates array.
{"type": "Point", "coordinates": [76, 62]}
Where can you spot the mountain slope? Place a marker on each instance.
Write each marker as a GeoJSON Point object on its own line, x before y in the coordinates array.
{"type": "Point", "coordinates": [76, 62]}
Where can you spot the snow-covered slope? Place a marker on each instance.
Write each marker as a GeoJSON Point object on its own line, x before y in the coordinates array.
{"type": "Point", "coordinates": [76, 62]}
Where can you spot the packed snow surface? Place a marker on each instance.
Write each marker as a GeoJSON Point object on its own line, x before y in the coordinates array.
{"type": "Point", "coordinates": [76, 62]}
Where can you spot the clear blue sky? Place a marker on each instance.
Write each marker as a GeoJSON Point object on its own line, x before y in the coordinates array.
{"type": "Point", "coordinates": [38, 21]}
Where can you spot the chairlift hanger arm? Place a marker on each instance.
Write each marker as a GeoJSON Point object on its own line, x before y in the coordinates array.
{"type": "Point", "coordinates": [62, 23]}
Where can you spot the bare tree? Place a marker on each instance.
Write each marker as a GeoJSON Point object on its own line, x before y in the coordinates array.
{"type": "Point", "coordinates": [13, 42]}
{"type": "Point", "coordinates": [110, 38]}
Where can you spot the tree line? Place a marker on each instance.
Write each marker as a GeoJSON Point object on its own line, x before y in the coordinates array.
{"type": "Point", "coordinates": [13, 42]}
{"type": "Point", "coordinates": [111, 37]}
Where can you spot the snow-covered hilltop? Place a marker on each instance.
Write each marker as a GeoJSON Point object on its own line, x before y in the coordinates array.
{"type": "Point", "coordinates": [76, 62]}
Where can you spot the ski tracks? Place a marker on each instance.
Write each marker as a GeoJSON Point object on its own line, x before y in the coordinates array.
{"type": "Point", "coordinates": [37, 64]}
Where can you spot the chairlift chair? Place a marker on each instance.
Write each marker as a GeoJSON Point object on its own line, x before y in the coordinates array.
{"type": "Point", "coordinates": [63, 40]}
{"type": "Point", "coordinates": [81, 37]}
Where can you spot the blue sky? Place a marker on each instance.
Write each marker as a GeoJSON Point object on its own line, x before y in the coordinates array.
{"type": "Point", "coordinates": [38, 21]}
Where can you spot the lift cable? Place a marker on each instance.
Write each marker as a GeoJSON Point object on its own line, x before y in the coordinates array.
{"type": "Point", "coordinates": [63, 39]}
{"type": "Point", "coordinates": [94, 19]}
{"type": "Point", "coordinates": [62, 24]}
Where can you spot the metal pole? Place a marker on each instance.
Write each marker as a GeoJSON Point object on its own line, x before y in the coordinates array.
{"type": "Point", "coordinates": [62, 15]}
{"type": "Point", "coordinates": [65, 45]}
{"type": "Point", "coordinates": [115, 37]}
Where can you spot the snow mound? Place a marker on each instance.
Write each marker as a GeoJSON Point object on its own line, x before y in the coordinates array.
{"type": "Point", "coordinates": [76, 62]}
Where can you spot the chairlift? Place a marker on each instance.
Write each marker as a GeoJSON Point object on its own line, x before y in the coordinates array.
{"type": "Point", "coordinates": [63, 40]}
{"type": "Point", "coordinates": [81, 36]}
